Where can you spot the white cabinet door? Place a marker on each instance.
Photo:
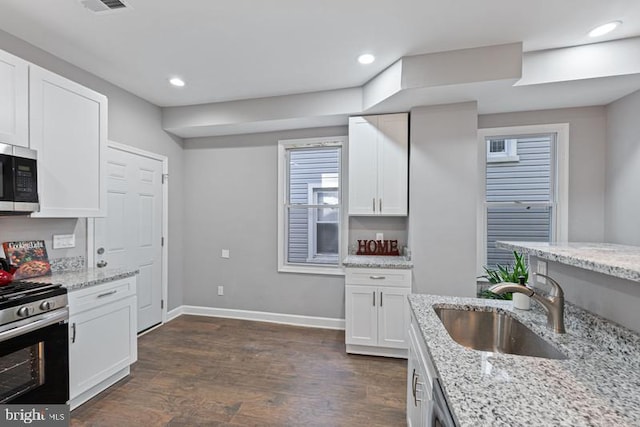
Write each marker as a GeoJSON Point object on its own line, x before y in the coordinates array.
{"type": "Point", "coordinates": [14, 100]}
{"type": "Point", "coordinates": [393, 164]}
{"type": "Point", "coordinates": [363, 158]}
{"type": "Point", "coordinates": [379, 164]}
{"type": "Point", "coordinates": [68, 128]}
{"type": "Point", "coordinates": [101, 343]}
{"type": "Point", "coordinates": [361, 314]}
{"type": "Point", "coordinates": [393, 317]}
{"type": "Point", "coordinates": [413, 405]}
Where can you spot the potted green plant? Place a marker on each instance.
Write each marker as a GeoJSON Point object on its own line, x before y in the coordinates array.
{"type": "Point", "coordinates": [509, 273]}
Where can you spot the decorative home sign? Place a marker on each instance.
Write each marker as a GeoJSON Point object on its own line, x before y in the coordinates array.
{"type": "Point", "coordinates": [378, 247]}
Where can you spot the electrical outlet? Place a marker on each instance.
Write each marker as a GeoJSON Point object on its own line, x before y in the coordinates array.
{"type": "Point", "coordinates": [225, 253]}
{"type": "Point", "coordinates": [220, 290]}
{"type": "Point", "coordinates": [541, 268]}
{"type": "Point", "coordinates": [63, 241]}
{"type": "Point", "coordinates": [379, 236]}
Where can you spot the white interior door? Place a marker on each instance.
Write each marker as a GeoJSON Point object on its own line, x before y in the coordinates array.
{"type": "Point", "coordinates": [130, 235]}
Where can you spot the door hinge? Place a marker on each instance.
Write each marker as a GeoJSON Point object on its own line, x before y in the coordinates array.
{"type": "Point", "coordinates": [161, 304]}
{"type": "Point", "coordinates": [165, 177]}
{"type": "Point", "coordinates": [162, 241]}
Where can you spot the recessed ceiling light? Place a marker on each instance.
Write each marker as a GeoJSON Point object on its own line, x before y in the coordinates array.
{"type": "Point", "coordinates": [176, 81]}
{"type": "Point", "coordinates": [366, 58]}
{"type": "Point", "coordinates": [604, 29]}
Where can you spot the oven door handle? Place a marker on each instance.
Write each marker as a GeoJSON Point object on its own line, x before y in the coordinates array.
{"type": "Point", "coordinates": [35, 324]}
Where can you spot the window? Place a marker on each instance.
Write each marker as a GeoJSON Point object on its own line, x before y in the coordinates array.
{"type": "Point", "coordinates": [523, 188]}
{"type": "Point", "coordinates": [502, 150]}
{"type": "Point", "coordinates": [310, 212]}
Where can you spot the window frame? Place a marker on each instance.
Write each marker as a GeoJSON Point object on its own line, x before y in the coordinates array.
{"type": "Point", "coordinates": [283, 171]}
{"type": "Point", "coordinates": [560, 181]}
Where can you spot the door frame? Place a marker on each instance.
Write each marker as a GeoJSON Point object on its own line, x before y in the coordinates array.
{"type": "Point", "coordinates": [165, 220]}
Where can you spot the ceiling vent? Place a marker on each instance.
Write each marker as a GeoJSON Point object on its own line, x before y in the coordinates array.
{"type": "Point", "coordinates": [105, 6]}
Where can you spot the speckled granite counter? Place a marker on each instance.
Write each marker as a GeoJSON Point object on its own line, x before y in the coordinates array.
{"type": "Point", "coordinates": [82, 278]}
{"type": "Point", "coordinates": [372, 261]}
{"type": "Point", "coordinates": [614, 260]}
{"type": "Point", "coordinates": [598, 385]}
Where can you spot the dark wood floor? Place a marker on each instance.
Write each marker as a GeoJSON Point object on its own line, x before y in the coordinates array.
{"type": "Point", "coordinates": [199, 371]}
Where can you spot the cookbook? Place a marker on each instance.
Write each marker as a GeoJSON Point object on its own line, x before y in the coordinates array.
{"type": "Point", "coordinates": [30, 257]}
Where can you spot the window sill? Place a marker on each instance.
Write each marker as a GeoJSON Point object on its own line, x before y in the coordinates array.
{"type": "Point", "coordinates": [300, 269]}
{"type": "Point", "coordinates": [500, 159]}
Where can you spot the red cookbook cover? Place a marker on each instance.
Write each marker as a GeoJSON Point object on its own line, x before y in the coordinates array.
{"type": "Point", "coordinates": [29, 256]}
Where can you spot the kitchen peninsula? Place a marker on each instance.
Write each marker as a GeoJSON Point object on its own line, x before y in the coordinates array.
{"type": "Point", "coordinates": [602, 278]}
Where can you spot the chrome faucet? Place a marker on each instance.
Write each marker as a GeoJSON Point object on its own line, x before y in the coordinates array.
{"type": "Point", "coordinates": [553, 303]}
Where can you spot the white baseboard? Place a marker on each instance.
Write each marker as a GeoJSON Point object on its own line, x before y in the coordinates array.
{"type": "Point", "coordinates": [176, 312]}
{"type": "Point", "coordinates": [259, 316]}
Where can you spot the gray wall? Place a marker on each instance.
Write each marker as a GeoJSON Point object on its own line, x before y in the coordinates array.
{"type": "Point", "coordinates": [231, 203]}
{"type": "Point", "coordinates": [587, 128]}
{"type": "Point", "coordinates": [443, 189]}
{"type": "Point", "coordinates": [622, 223]}
{"type": "Point", "coordinates": [25, 228]}
{"type": "Point", "coordinates": [132, 121]}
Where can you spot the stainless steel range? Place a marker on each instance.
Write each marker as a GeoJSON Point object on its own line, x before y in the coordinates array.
{"type": "Point", "coordinates": [34, 352]}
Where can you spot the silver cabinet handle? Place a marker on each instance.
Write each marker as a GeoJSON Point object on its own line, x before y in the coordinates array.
{"type": "Point", "coordinates": [102, 263]}
{"type": "Point", "coordinates": [380, 205]}
{"type": "Point", "coordinates": [73, 335]}
{"type": "Point", "coordinates": [374, 298]}
{"type": "Point", "coordinates": [373, 204]}
{"type": "Point", "coordinates": [377, 277]}
{"type": "Point", "coordinates": [380, 298]}
{"type": "Point", "coordinates": [106, 294]}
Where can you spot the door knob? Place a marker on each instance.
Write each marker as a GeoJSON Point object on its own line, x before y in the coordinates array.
{"type": "Point", "coordinates": [101, 263]}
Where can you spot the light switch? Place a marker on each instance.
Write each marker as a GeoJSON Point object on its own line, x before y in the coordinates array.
{"type": "Point", "coordinates": [63, 241]}
{"type": "Point", "coordinates": [225, 253]}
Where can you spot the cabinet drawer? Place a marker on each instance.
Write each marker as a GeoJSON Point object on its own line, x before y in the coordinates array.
{"type": "Point", "coordinates": [378, 277]}
{"type": "Point", "coordinates": [95, 296]}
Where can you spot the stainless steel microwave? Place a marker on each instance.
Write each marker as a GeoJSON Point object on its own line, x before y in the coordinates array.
{"type": "Point", "coordinates": [18, 180]}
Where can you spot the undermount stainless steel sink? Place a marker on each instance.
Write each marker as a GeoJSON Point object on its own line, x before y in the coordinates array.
{"type": "Point", "coordinates": [494, 331]}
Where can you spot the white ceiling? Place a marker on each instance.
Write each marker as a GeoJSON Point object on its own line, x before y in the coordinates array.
{"type": "Point", "coordinates": [241, 49]}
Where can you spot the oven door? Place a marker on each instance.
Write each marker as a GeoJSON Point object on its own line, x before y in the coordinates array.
{"type": "Point", "coordinates": [34, 360]}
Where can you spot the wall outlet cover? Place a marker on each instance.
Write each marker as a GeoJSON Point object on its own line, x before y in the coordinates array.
{"type": "Point", "coordinates": [541, 268]}
{"type": "Point", "coordinates": [220, 290]}
{"type": "Point", "coordinates": [379, 236]}
{"type": "Point", "coordinates": [225, 253]}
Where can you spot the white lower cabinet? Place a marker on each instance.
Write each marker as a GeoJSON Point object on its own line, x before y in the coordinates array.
{"type": "Point", "coordinates": [377, 311]}
{"type": "Point", "coordinates": [420, 375]}
{"type": "Point", "coordinates": [102, 337]}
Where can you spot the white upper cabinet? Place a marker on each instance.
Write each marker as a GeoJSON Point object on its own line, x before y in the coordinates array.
{"type": "Point", "coordinates": [68, 128]}
{"type": "Point", "coordinates": [379, 165]}
{"type": "Point", "coordinates": [14, 97]}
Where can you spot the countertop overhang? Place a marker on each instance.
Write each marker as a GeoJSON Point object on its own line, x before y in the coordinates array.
{"type": "Point", "coordinates": [613, 260]}
{"type": "Point", "coordinates": [597, 385]}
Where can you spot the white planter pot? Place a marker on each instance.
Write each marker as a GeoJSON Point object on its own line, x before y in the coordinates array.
{"type": "Point", "coordinates": [521, 301]}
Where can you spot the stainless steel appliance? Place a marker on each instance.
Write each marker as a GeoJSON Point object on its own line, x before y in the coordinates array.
{"type": "Point", "coordinates": [440, 413]}
{"type": "Point", "coordinates": [34, 344]}
{"type": "Point", "coordinates": [18, 180]}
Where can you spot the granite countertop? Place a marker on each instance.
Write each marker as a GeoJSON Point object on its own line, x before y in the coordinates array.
{"type": "Point", "coordinates": [77, 279]}
{"type": "Point", "coordinates": [377, 261]}
{"type": "Point", "coordinates": [597, 385]}
{"type": "Point", "coordinates": [614, 260]}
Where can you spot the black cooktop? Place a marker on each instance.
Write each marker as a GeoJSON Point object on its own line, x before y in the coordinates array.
{"type": "Point", "coordinates": [20, 292]}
